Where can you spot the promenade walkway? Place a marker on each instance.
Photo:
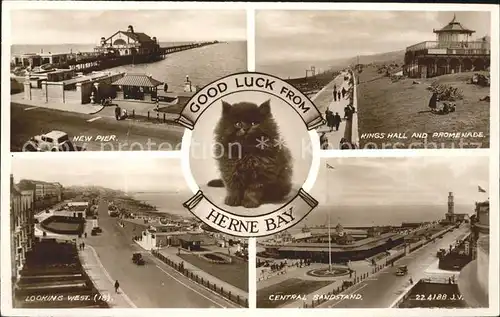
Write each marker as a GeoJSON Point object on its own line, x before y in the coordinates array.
{"type": "Point", "coordinates": [324, 100]}
{"type": "Point", "coordinates": [138, 108]}
{"type": "Point", "coordinates": [103, 282]}
{"type": "Point", "coordinates": [77, 108]}
{"type": "Point", "coordinates": [172, 255]}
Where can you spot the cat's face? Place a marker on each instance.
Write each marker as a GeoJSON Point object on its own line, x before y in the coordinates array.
{"type": "Point", "coordinates": [246, 120]}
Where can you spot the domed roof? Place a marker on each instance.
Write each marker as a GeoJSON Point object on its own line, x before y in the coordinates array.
{"type": "Point", "coordinates": [455, 27]}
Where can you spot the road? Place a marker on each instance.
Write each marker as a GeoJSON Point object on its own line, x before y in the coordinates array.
{"type": "Point", "coordinates": [154, 285]}
{"type": "Point", "coordinates": [382, 289]}
{"type": "Point", "coordinates": [130, 135]}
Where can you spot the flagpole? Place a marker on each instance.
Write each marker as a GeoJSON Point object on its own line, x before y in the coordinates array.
{"type": "Point", "coordinates": [329, 222]}
{"type": "Point", "coordinates": [329, 244]}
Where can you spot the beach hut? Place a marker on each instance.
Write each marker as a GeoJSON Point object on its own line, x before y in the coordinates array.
{"type": "Point", "coordinates": [137, 87]}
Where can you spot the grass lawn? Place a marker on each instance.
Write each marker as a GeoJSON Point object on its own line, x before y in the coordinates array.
{"type": "Point", "coordinates": [235, 273]}
{"type": "Point", "coordinates": [289, 287]}
{"type": "Point", "coordinates": [402, 107]}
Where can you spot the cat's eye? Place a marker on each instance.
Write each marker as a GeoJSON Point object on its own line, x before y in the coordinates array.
{"type": "Point", "coordinates": [237, 124]}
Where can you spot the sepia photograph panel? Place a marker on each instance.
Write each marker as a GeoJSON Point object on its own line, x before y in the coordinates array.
{"type": "Point", "coordinates": [385, 79]}
{"type": "Point", "coordinates": [388, 233]}
{"type": "Point", "coordinates": [113, 234]}
{"type": "Point", "coordinates": [105, 80]}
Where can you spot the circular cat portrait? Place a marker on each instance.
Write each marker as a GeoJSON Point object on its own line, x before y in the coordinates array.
{"type": "Point", "coordinates": [250, 152]}
{"type": "Point", "coordinates": [247, 154]}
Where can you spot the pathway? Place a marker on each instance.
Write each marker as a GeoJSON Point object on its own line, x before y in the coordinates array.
{"type": "Point", "coordinates": [172, 255]}
{"type": "Point", "coordinates": [100, 276]}
{"type": "Point", "coordinates": [324, 100]}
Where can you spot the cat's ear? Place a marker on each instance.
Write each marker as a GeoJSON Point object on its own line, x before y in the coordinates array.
{"type": "Point", "coordinates": [265, 108]}
{"type": "Point", "coordinates": [226, 107]}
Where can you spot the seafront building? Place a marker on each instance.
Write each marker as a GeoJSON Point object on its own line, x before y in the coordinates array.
{"type": "Point", "coordinates": [22, 224]}
{"type": "Point", "coordinates": [473, 279]}
{"type": "Point", "coordinates": [128, 43]}
{"type": "Point", "coordinates": [45, 194]}
{"type": "Point", "coordinates": [453, 51]}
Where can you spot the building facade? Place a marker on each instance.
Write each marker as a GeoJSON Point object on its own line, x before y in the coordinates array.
{"type": "Point", "coordinates": [453, 51]}
{"type": "Point", "coordinates": [45, 194]}
{"type": "Point", "coordinates": [128, 43]}
{"type": "Point", "coordinates": [22, 226]}
{"type": "Point", "coordinates": [473, 279]}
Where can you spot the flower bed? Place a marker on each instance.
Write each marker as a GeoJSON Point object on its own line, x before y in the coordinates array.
{"type": "Point", "coordinates": [217, 258]}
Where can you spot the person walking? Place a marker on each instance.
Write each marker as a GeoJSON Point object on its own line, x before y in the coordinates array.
{"type": "Point", "coordinates": [117, 286]}
{"type": "Point", "coordinates": [85, 235]}
{"type": "Point", "coordinates": [117, 112]}
{"type": "Point", "coordinates": [337, 120]}
{"type": "Point", "coordinates": [334, 92]}
{"type": "Point", "coordinates": [83, 245]}
{"type": "Point", "coordinates": [329, 119]}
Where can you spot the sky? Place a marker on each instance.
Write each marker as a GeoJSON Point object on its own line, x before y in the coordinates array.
{"type": "Point", "coordinates": [297, 36]}
{"type": "Point", "coordinates": [402, 181]}
{"type": "Point", "coordinates": [87, 27]}
{"type": "Point", "coordinates": [126, 173]}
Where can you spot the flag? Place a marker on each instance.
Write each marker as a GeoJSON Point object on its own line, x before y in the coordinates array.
{"type": "Point", "coordinates": [329, 166]}
{"type": "Point", "coordinates": [480, 189]}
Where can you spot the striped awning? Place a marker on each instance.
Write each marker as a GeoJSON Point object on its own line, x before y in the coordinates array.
{"type": "Point", "coordinates": [137, 81]}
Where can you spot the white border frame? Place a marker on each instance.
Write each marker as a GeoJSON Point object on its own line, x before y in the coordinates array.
{"type": "Point", "coordinates": [492, 152]}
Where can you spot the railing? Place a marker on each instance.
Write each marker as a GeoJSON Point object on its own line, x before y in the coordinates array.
{"type": "Point", "coordinates": [200, 280]}
{"type": "Point", "coordinates": [478, 47]}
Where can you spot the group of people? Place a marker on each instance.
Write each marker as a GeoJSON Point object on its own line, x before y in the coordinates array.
{"type": "Point", "coordinates": [120, 114]}
{"type": "Point", "coordinates": [337, 94]}
{"type": "Point", "coordinates": [332, 120]}
{"type": "Point", "coordinates": [349, 110]}
{"type": "Point", "coordinates": [439, 107]}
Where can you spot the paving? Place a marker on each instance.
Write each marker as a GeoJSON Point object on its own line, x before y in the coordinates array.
{"type": "Point", "coordinates": [172, 255]}
{"type": "Point", "coordinates": [324, 100]}
{"type": "Point", "coordinates": [98, 132]}
{"type": "Point", "coordinates": [394, 286]}
{"type": "Point", "coordinates": [154, 285]}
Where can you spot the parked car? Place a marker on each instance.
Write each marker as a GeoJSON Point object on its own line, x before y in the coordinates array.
{"type": "Point", "coordinates": [97, 229]}
{"type": "Point", "coordinates": [138, 259]}
{"type": "Point", "coordinates": [94, 232]}
{"type": "Point", "coordinates": [402, 270]}
{"type": "Point", "coordinates": [52, 141]}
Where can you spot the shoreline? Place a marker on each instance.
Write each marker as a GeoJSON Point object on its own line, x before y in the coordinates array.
{"type": "Point", "coordinates": [151, 209]}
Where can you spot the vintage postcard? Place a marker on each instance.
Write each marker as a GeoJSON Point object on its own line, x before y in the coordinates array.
{"type": "Point", "coordinates": [389, 233]}
{"type": "Point", "coordinates": [173, 158]}
{"type": "Point", "coordinates": [105, 80]}
{"type": "Point", "coordinates": [385, 79]}
{"type": "Point", "coordinates": [114, 236]}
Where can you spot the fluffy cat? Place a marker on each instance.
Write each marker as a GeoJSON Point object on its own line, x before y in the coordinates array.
{"type": "Point", "coordinates": [252, 174]}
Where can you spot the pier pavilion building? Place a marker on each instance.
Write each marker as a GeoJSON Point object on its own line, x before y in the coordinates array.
{"type": "Point", "coordinates": [128, 43]}
{"type": "Point", "coordinates": [453, 51]}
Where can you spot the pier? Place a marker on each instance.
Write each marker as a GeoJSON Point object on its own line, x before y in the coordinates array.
{"type": "Point", "coordinates": [121, 48]}
{"type": "Point", "coordinates": [88, 62]}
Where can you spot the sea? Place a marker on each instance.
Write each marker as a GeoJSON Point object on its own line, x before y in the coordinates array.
{"type": "Point", "coordinates": [379, 215]}
{"type": "Point", "coordinates": [202, 65]}
{"type": "Point", "coordinates": [165, 202]}
{"type": "Point", "coordinates": [350, 216]}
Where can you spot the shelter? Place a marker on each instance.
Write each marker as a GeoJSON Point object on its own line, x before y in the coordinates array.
{"type": "Point", "coordinates": [190, 242]}
{"type": "Point", "coordinates": [137, 87]}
